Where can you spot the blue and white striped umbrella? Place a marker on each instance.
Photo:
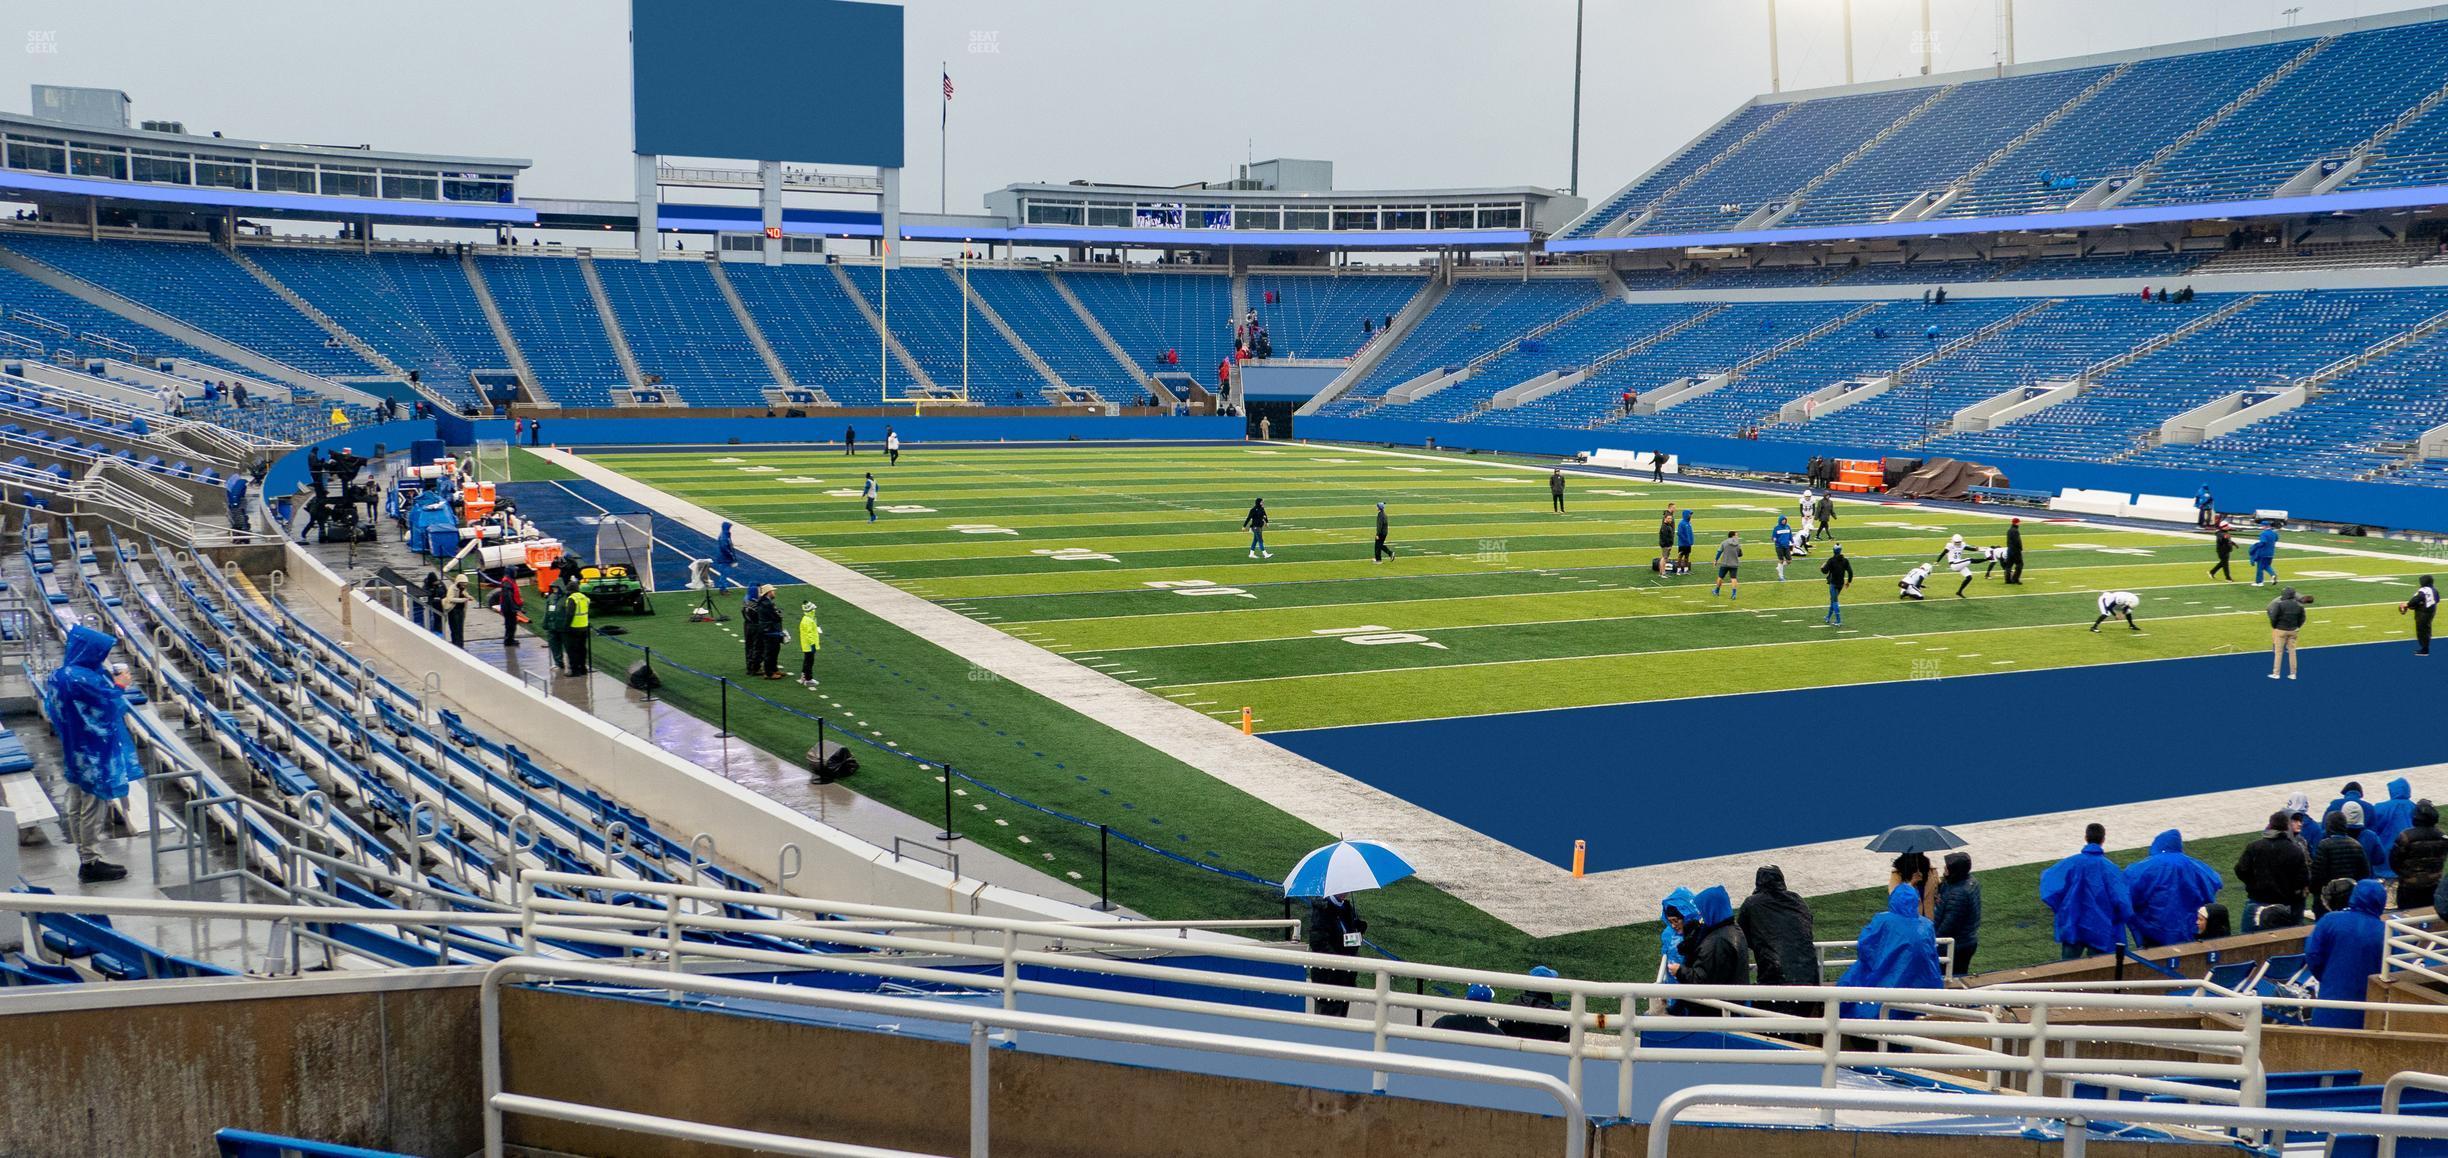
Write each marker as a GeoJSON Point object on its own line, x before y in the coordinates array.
{"type": "Point", "coordinates": [1346, 866]}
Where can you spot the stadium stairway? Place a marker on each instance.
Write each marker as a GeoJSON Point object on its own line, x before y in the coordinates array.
{"type": "Point", "coordinates": [611, 320]}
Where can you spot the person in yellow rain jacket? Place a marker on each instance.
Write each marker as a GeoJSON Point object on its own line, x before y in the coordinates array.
{"type": "Point", "coordinates": [339, 418]}
{"type": "Point", "coordinates": [574, 641]}
{"type": "Point", "coordinates": [811, 637]}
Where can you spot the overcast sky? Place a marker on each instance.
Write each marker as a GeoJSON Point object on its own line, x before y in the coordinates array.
{"type": "Point", "coordinates": [1397, 93]}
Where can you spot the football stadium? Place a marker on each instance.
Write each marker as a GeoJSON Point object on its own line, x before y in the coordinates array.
{"type": "Point", "coordinates": [1809, 577]}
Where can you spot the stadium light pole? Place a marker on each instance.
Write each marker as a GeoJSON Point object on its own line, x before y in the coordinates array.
{"type": "Point", "coordinates": [1929, 48]}
{"type": "Point", "coordinates": [1776, 80]}
{"type": "Point", "coordinates": [1848, 40]}
{"type": "Point", "coordinates": [1574, 187]}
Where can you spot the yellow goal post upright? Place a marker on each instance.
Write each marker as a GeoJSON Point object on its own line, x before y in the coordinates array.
{"type": "Point", "coordinates": [918, 399]}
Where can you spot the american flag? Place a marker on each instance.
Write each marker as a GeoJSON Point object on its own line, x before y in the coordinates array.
{"type": "Point", "coordinates": [947, 79]}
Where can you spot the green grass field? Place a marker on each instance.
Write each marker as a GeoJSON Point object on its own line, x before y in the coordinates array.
{"type": "Point", "coordinates": [1130, 560]}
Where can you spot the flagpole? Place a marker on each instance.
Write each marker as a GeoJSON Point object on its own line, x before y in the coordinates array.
{"type": "Point", "coordinates": [943, 122]}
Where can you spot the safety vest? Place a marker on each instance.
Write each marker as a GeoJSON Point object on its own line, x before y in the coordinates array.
{"type": "Point", "coordinates": [811, 637]}
{"type": "Point", "coordinates": [577, 610]}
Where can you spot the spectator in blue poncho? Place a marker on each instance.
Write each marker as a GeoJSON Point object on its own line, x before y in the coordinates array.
{"type": "Point", "coordinates": [2390, 817]}
{"type": "Point", "coordinates": [1683, 542]}
{"type": "Point", "coordinates": [1679, 913]}
{"type": "Point", "coordinates": [2344, 952]}
{"type": "Point", "coordinates": [2264, 556]}
{"type": "Point", "coordinates": [1898, 949]}
{"type": "Point", "coordinates": [2087, 894]}
{"type": "Point", "coordinates": [2353, 791]}
{"type": "Point", "coordinates": [2358, 826]}
{"type": "Point", "coordinates": [97, 756]}
{"type": "Point", "coordinates": [724, 556]}
{"type": "Point", "coordinates": [2168, 890]}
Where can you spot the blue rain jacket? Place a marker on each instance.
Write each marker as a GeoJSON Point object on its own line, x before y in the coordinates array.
{"type": "Point", "coordinates": [2344, 951]}
{"type": "Point", "coordinates": [1670, 943]}
{"type": "Point", "coordinates": [1898, 949]}
{"type": "Point", "coordinates": [2088, 895]}
{"type": "Point", "coordinates": [2168, 890]}
{"type": "Point", "coordinates": [89, 713]}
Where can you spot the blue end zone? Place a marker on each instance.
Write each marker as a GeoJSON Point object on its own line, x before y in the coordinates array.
{"type": "Point", "coordinates": [1676, 780]}
{"type": "Point", "coordinates": [567, 509]}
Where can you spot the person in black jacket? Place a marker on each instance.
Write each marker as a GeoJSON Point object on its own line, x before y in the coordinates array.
{"type": "Point", "coordinates": [1713, 950]}
{"type": "Point", "coordinates": [2418, 854]}
{"type": "Point", "coordinates": [1533, 999]}
{"type": "Point", "coordinates": [1334, 927]}
{"type": "Point", "coordinates": [1839, 573]}
{"type": "Point", "coordinates": [1383, 552]}
{"type": "Point", "coordinates": [1471, 1022]}
{"type": "Point", "coordinates": [2274, 870]}
{"type": "Point", "coordinates": [1666, 540]}
{"type": "Point", "coordinates": [1555, 488]}
{"type": "Point", "coordinates": [2424, 603]}
{"type": "Point", "coordinates": [1776, 924]}
{"type": "Point", "coordinates": [2338, 857]}
{"type": "Point", "coordinates": [1958, 913]}
{"type": "Point", "coordinates": [2014, 558]}
{"type": "Point", "coordinates": [2225, 545]}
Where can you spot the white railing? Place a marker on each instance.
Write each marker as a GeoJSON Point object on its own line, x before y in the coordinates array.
{"type": "Point", "coordinates": [2076, 1113]}
{"type": "Point", "coordinates": [2412, 948]}
{"type": "Point", "coordinates": [1972, 1030]}
{"type": "Point", "coordinates": [980, 1021]}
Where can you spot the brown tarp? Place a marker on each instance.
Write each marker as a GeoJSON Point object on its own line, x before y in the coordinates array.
{"type": "Point", "coordinates": [1945, 478]}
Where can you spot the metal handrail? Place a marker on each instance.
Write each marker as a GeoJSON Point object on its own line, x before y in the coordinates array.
{"type": "Point", "coordinates": [1576, 1121]}
{"type": "Point", "coordinates": [2076, 1113]}
{"type": "Point", "coordinates": [1587, 1033]}
{"type": "Point", "coordinates": [2393, 1093]}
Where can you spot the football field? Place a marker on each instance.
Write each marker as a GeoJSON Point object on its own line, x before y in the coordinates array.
{"type": "Point", "coordinates": [1131, 560]}
{"type": "Point", "coordinates": [1510, 660]}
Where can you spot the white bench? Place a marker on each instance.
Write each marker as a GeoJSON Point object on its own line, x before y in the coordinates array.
{"type": "Point", "coordinates": [1632, 460]}
{"type": "Point", "coordinates": [2077, 500]}
{"type": "Point", "coordinates": [24, 796]}
{"type": "Point", "coordinates": [2162, 509]}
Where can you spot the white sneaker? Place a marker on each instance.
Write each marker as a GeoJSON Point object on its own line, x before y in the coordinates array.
{"type": "Point", "coordinates": [1266, 554]}
{"type": "Point", "coordinates": [1253, 554]}
{"type": "Point", "coordinates": [2290, 675]}
{"type": "Point", "coordinates": [2273, 675]}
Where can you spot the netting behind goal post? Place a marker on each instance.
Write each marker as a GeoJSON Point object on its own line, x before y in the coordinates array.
{"type": "Point", "coordinates": [492, 461]}
{"type": "Point", "coordinates": [628, 541]}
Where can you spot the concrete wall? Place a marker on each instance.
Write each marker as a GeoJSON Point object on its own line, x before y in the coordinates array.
{"type": "Point", "coordinates": [891, 1091]}
{"type": "Point", "coordinates": [154, 1068]}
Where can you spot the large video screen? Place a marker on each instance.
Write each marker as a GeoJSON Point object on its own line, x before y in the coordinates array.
{"type": "Point", "coordinates": [768, 80]}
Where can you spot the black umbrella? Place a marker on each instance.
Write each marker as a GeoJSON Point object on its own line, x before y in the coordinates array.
{"type": "Point", "coordinates": [1915, 838]}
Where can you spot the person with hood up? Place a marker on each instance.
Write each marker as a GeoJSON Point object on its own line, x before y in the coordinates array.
{"type": "Point", "coordinates": [1679, 914]}
{"type": "Point", "coordinates": [2202, 504]}
{"type": "Point", "coordinates": [2169, 889]}
{"type": "Point", "coordinates": [2274, 871]}
{"type": "Point", "coordinates": [88, 712]}
{"type": "Point", "coordinates": [1334, 927]}
{"type": "Point", "coordinates": [2358, 826]}
{"type": "Point", "coordinates": [2089, 898]}
{"type": "Point", "coordinates": [1471, 1022]}
{"type": "Point", "coordinates": [1256, 521]}
{"type": "Point", "coordinates": [724, 556]}
{"type": "Point", "coordinates": [2303, 825]}
{"type": "Point", "coordinates": [455, 600]}
{"type": "Point", "coordinates": [508, 599]}
{"type": "Point", "coordinates": [2417, 855]}
{"type": "Point", "coordinates": [2339, 856]}
{"type": "Point", "coordinates": [1776, 924]}
{"type": "Point", "coordinates": [2286, 620]}
{"type": "Point", "coordinates": [236, 493]}
{"type": "Point", "coordinates": [1782, 537]}
{"type": "Point", "coordinates": [556, 628]}
{"type": "Point", "coordinates": [2351, 792]}
{"type": "Point", "coordinates": [1713, 951]}
{"type": "Point", "coordinates": [2390, 817]}
{"type": "Point", "coordinates": [2224, 544]}
{"type": "Point", "coordinates": [1959, 910]}
{"type": "Point", "coordinates": [1898, 949]}
{"type": "Point", "coordinates": [1823, 520]}
{"type": "Point", "coordinates": [1683, 542]}
{"type": "Point", "coordinates": [1382, 552]}
{"type": "Point", "coordinates": [429, 599]}
{"type": "Point", "coordinates": [1838, 571]}
{"type": "Point", "coordinates": [2344, 951]}
{"type": "Point", "coordinates": [2264, 556]}
{"type": "Point", "coordinates": [2424, 603]}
